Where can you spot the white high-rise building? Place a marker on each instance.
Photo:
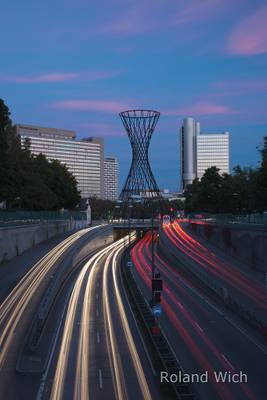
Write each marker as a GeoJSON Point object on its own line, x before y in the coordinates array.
{"type": "Point", "coordinates": [200, 151]}
{"type": "Point", "coordinates": [212, 150]}
{"type": "Point", "coordinates": [83, 158]}
{"type": "Point", "coordinates": [111, 181]}
{"type": "Point", "coordinates": [188, 151]}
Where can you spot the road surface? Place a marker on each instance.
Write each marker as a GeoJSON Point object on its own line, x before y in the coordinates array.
{"type": "Point", "coordinates": [203, 336]}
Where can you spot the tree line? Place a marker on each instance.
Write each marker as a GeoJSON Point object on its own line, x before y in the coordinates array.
{"type": "Point", "coordinates": [243, 191]}
{"type": "Point", "coordinates": [28, 181]}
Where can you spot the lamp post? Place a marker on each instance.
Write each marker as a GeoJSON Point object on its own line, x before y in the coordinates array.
{"type": "Point", "coordinates": [130, 206]}
{"type": "Point", "coordinates": [118, 208]}
{"type": "Point", "coordinates": [156, 281]}
{"type": "Point", "coordinates": [152, 247]}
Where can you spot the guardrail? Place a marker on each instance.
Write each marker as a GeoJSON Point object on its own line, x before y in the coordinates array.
{"type": "Point", "coordinates": [9, 218]}
{"type": "Point", "coordinates": [160, 352]}
{"type": "Point", "coordinates": [254, 219]}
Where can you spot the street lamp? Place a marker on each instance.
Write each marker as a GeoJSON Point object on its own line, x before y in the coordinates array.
{"type": "Point", "coordinates": [130, 206]}
{"type": "Point", "coordinates": [156, 281]}
{"type": "Point", "coordinates": [118, 208]}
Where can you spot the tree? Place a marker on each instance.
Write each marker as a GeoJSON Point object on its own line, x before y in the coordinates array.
{"type": "Point", "coordinates": [64, 185]}
{"type": "Point", "coordinates": [8, 145]}
{"type": "Point", "coordinates": [191, 194]}
{"type": "Point", "coordinates": [204, 195]}
{"type": "Point", "coordinates": [222, 193]}
{"type": "Point", "coordinates": [37, 182]}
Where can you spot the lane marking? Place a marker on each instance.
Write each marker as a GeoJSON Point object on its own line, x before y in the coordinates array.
{"type": "Point", "coordinates": [143, 384]}
{"type": "Point", "coordinates": [227, 361]}
{"type": "Point", "coordinates": [97, 311]}
{"type": "Point", "coordinates": [234, 324]}
{"type": "Point", "coordinates": [196, 324]}
{"type": "Point", "coordinates": [100, 379]}
{"type": "Point", "coordinates": [97, 296]}
{"type": "Point", "coordinates": [226, 316]}
{"type": "Point", "coordinates": [214, 308]}
{"type": "Point", "coordinates": [52, 352]}
{"type": "Point", "coordinates": [138, 330]}
{"type": "Point", "coordinates": [98, 337]}
{"type": "Point", "coordinates": [81, 385]}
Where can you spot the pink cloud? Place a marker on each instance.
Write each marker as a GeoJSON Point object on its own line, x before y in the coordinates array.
{"type": "Point", "coordinates": [200, 108]}
{"type": "Point", "coordinates": [46, 78]}
{"type": "Point", "coordinates": [143, 17]}
{"type": "Point", "coordinates": [196, 10]}
{"type": "Point", "coordinates": [130, 22]}
{"type": "Point", "coordinates": [91, 105]}
{"type": "Point", "coordinates": [250, 36]}
{"type": "Point", "coordinates": [60, 77]}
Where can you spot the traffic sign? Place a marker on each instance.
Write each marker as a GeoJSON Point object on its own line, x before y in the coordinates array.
{"type": "Point", "coordinates": [129, 264]}
{"type": "Point", "coordinates": [166, 220]}
{"type": "Point", "coordinates": [157, 309]}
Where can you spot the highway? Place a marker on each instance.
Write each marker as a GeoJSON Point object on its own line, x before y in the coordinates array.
{"type": "Point", "coordinates": [238, 283]}
{"type": "Point", "coordinates": [204, 336]}
{"type": "Point", "coordinates": [98, 352]}
{"type": "Point", "coordinates": [18, 308]}
{"type": "Point", "coordinates": [13, 307]}
{"type": "Point", "coordinates": [91, 340]}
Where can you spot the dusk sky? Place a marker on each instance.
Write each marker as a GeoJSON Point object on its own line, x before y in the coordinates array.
{"type": "Point", "coordinates": [75, 64]}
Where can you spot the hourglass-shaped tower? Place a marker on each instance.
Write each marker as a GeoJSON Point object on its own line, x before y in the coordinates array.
{"type": "Point", "coordinates": [140, 182]}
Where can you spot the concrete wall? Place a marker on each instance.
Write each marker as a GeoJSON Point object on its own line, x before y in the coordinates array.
{"type": "Point", "coordinates": [247, 243]}
{"type": "Point", "coordinates": [15, 240]}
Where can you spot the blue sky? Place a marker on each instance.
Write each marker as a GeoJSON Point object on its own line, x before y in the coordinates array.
{"type": "Point", "coordinates": [76, 63]}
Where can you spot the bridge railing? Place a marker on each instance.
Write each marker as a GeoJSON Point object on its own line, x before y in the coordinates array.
{"type": "Point", "coordinates": [9, 218]}
{"type": "Point", "coordinates": [256, 219]}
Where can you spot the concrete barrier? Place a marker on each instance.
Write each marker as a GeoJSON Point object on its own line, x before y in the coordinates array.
{"type": "Point", "coordinates": [16, 239]}
{"type": "Point", "coordinates": [73, 258]}
{"type": "Point", "coordinates": [247, 243]}
{"type": "Point", "coordinates": [212, 286]}
{"type": "Point", "coordinates": [83, 248]}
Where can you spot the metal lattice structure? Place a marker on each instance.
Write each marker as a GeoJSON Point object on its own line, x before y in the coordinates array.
{"type": "Point", "coordinates": [139, 125]}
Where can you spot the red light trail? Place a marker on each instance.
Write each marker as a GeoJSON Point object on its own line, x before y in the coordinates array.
{"type": "Point", "coordinates": [141, 256]}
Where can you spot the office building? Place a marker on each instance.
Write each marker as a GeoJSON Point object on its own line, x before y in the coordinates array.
{"type": "Point", "coordinates": [188, 151]}
{"type": "Point", "coordinates": [200, 151]}
{"type": "Point", "coordinates": [83, 158]}
{"type": "Point", "coordinates": [212, 150]}
{"type": "Point", "coordinates": [111, 181]}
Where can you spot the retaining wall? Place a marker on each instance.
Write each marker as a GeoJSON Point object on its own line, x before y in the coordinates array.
{"type": "Point", "coordinates": [247, 243]}
{"type": "Point", "coordinates": [15, 240]}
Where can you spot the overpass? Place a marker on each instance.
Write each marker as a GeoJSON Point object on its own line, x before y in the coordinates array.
{"type": "Point", "coordinates": [140, 226]}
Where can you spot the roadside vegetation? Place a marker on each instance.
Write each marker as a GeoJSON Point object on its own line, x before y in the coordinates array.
{"type": "Point", "coordinates": [28, 181]}
{"type": "Point", "coordinates": [243, 191]}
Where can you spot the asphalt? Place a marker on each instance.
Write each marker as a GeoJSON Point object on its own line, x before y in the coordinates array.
{"type": "Point", "coordinates": [218, 272]}
{"type": "Point", "coordinates": [205, 336]}
{"type": "Point", "coordinates": [17, 311]}
{"type": "Point", "coordinates": [102, 334]}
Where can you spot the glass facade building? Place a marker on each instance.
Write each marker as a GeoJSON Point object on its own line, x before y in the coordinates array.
{"type": "Point", "coordinates": [111, 180]}
{"type": "Point", "coordinates": [83, 158]}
